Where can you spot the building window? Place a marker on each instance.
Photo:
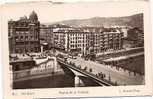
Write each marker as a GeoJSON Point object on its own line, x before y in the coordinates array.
{"type": "Point", "coordinates": [21, 37]}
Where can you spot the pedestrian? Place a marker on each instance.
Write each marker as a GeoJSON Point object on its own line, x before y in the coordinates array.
{"type": "Point", "coordinates": [109, 78]}
{"type": "Point", "coordinates": [115, 83]}
{"type": "Point", "coordinates": [134, 73]}
{"type": "Point", "coordinates": [104, 75]}
{"type": "Point", "coordinates": [129, 73]}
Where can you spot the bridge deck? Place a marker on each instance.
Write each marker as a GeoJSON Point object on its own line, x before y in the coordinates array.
{"type": "Point", "coordinates": [102, 81]}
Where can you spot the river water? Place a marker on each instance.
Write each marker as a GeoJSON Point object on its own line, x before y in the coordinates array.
{"type": "Point", "coordinates": [58, 80]}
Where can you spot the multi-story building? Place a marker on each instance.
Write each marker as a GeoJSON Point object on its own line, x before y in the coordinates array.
{"type": "Point", "coordinates": [141, 38]}
{"type": "Point", "coordinates": [53, 35]}
{"type": "Point", "coordinates": [77, 41]}
{"type": "Point", "coordinates": [59, 39]}
{"type": "Point", "coordinates": [94, 34]}
{"type": "Point", "coordinates": [123, 28]}
{"type": "Point", "coordinates": [71, 40]}
{"type": "Point", "coordinates": [24, 34]}
{"type": "Point", "coordinates": [104, 39]}
{"type": "Point", "coordinates": [136, 36]}
{"type": "Point", "coordinates": [46, 36]}
{"type": "Point", "coordinates": [111, 40]}
{"type": "Point", "coordinates": [87, 40]}
{"type": "Point", "coordinates": [60, 36]}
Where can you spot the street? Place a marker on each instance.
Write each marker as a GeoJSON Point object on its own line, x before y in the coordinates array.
{"type": "Point", "coordinates": [120, 76]}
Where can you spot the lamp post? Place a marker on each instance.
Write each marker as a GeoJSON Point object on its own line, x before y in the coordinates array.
{"type": "Point", "coordinates": [52, 73]}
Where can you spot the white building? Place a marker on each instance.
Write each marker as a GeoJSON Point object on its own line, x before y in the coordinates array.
{"type": "Point", "coordinates": [45, 66]}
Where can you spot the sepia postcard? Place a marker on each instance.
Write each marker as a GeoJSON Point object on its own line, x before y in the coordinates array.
{"type": "Point", "coordinates": [80, 49]}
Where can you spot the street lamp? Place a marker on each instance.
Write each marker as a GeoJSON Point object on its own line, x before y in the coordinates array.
{"type": "Point", "coordinates": [52, 73]}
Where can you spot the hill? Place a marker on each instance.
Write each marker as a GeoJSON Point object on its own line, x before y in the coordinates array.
{"type": "Point", "coordinates": [133, 20]}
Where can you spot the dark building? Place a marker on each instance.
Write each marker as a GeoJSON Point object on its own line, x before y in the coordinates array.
{"type": "Point", "coordinates": [136, 36]}
{"type": "Point", "coordinates": [24, 34]}
{"type": "Point", "coordinates": [46, 36]}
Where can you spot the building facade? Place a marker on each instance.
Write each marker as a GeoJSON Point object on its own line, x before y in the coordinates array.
{"type": "Point", "coordinates": [77, 41]}
{"type": "Point", "coordinates": [24, 34]}
{"type": "Point", "coordinates": [111, 41]}
{"type": "Point", "coordinates": [46, 36]}
{"type": "Point", "coordinates": [71, 40]}
{"type": "Point", "coordinates": [136, 36]}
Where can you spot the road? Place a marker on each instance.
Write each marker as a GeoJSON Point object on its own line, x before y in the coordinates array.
{"type": "Point", "coordinates": [125, 57]}
{"type": "Point", "coordinates": [121, 77]}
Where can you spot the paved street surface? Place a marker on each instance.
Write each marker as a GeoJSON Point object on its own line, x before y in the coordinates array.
{"type": "Point", "coordinates": [122, 77]}
{"type": "Point", "coordinates": [124, 57]}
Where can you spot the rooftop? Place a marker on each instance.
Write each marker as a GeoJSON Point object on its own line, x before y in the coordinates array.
{"type": "Point", "coordinates": [20, 58]}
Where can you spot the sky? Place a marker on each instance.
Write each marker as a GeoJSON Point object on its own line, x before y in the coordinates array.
{"type": "Point", "coordinates": [49, 12]}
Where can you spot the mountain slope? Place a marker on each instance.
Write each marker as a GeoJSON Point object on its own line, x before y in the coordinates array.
{"type": "Point", "coordinates": [134, 21]}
